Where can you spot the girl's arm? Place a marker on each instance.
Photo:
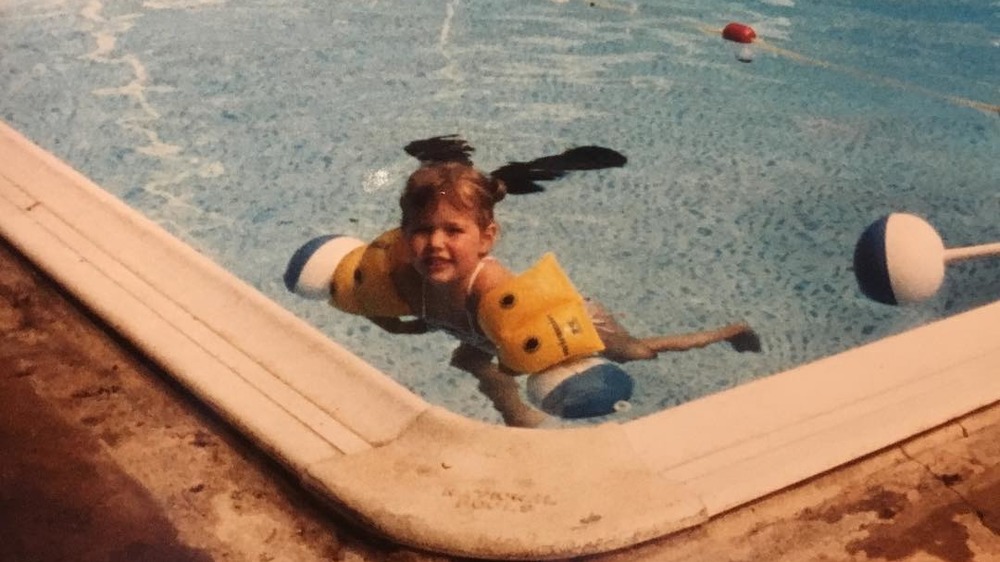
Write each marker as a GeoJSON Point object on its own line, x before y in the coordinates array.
{"type": "Point", "coordinates": [399, 326]}
{"type": "Point", "coordinates": [501, 389]}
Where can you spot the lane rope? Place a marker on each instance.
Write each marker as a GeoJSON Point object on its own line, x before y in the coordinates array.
{"type": "Point", "coordinates": [990, 109]}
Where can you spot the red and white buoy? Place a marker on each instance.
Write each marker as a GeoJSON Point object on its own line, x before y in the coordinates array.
{"type": "Point", "coordinates": [743, 35]}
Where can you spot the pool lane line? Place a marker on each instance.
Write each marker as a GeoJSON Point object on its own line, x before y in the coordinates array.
{"type": "Point", "coordinates": [990, 109]}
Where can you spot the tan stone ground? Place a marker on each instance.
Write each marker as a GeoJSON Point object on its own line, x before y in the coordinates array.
{"type": "Point", "coordinates": [105, 459]}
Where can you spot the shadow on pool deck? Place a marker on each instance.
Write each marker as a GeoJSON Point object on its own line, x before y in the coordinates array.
{"type": "Point", "coordinates": [105, 459]}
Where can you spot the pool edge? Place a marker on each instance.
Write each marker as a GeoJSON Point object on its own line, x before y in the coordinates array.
{"type": "Point", "coordinates": [688, 457]}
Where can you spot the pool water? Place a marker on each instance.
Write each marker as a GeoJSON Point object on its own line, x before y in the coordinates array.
{"type": "Point", "coordinates": [247, 128]}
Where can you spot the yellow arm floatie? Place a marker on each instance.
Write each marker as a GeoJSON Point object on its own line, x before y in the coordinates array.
{"type": "Point", "coordinates": [538, 319]}
{"type": "Point", "coordinates": [362, 282]}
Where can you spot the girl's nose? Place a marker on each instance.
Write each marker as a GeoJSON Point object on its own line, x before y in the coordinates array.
{"type": "Point", "coordinates": [437, 238]}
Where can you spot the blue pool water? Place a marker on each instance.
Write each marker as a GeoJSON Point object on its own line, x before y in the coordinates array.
{"type": "Point", "coordinates": [246, 128]}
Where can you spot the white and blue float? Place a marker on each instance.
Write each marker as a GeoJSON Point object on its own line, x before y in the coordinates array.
{"type": "Point", "coordinates": [581, 388]}
{"type": "Point", "coordinates": [310, 268]}
{"type": "Point", "coordinates": [901, 259]}
{"type": "Point", "coordinates": [354, 277]}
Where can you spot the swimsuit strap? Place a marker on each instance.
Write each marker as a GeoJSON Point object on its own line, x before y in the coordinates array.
{"type": "Point", "coordinates": [423, 298]}
{"type": "Point", "coordinates": [475, 274]}
{"type": "Point", "coordinates": [468, 291]}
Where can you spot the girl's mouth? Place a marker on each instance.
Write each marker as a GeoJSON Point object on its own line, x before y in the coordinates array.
{"type": "Point", "coordinates": [435, 263]}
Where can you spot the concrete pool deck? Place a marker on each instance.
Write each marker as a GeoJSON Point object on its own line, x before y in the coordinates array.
{"type": "Point", "coordinates": [433, 480]}
{"type": "Point", "coordinates": [106, 457]}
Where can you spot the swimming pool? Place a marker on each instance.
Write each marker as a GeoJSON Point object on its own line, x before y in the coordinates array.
{"type": "Point", "coordinates": [248, 128]}
{"type": "Point", "coordinates": [245, 130]}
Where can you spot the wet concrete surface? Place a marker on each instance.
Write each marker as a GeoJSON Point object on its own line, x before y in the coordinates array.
{"type": "Point", "coordinates": [104, 458]}
{"type": "Point", "coordinates": [64, 499]}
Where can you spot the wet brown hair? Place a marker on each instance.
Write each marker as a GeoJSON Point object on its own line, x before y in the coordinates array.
{"type": "Point", "coordinates": [460, 184]}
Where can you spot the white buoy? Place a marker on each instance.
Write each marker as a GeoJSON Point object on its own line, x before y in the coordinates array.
{"type": "Point", "coordinates": [582, 388]}
{"type": "Point", "coordinates": [744, 53]}
{"type": "Point", "coordinates": [900, 259]}
{"type": "Point", "coordinates": [310, 269]}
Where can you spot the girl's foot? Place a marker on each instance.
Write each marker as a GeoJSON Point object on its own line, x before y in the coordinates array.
{"type": "Point", "coordinates": [747, 340]}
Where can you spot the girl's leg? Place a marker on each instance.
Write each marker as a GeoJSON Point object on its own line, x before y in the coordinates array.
{"type": "Point", "coordinates": [739, 335]}
{"type": "Point", "coordinates": [622, 347]}
{"type": "Point", "coordinates": [502, 389]}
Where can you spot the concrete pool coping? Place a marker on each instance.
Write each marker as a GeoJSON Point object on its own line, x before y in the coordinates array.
{"type": "Point", "coordinates": [432, 479]}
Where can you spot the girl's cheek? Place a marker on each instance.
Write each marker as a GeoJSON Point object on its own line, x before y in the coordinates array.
{"type": "Point", "coordinates": [412, 248]}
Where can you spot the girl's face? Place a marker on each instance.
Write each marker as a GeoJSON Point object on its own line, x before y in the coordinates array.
{"type": "Point", "coordinates": [446, 243]}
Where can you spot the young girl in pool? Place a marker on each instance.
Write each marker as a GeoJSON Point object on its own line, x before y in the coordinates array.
{"type": "Point", "coordinates": [449, 231]}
